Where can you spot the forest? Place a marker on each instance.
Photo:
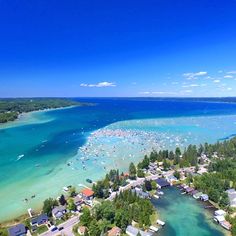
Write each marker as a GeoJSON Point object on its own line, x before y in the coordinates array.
{"type": "Point", "coordinates": [10, 108]}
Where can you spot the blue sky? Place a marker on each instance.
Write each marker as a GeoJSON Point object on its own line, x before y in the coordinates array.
{"type": "Point", "coordinates": [117, 48]}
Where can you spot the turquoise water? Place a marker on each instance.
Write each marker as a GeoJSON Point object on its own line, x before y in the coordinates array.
{"type": "Point", "coordinates": [185, 216]}
{"type": "Point", "coordinates": [46, 151]}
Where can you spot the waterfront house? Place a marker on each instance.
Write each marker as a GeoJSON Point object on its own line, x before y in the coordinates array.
{"type": "Point", "coordinates": [115, 231]}
{"type": "Point", "coordinates": [171, 179]}
{"type": "Point", "coordinates": [58, 212]}
{"type": "Point", "coordinates": [225, 224]}
{"type": "Point", "coordinates": [39, 220]}
{"type": "Point", "coordinates": [161, 183]}
{"type": "Point", "coordinates": [194, 192]}
{"type": "Point", "coordinates": [78, 201]}
{"type": "Point", "coordinates": [219, 219]}
{"type": "Point", "coordinates": [17, 230]}
{"type": "Point", "coordinates": [204, 197]}
{"type": "Point", "coordinates": [133, 231]}
{"type": "Point", "coordinates": [141, 193]}
{"type": "Point", "coordinates": [188, 190]}
{"type": "Point", "coordinates": [87, 194]}
{"type": "Point", "coordinates": [220, 213]}
{"type": "Point", "coordinates": [197, 195]}
{"type": "Point", "coordinates": [232, 197]}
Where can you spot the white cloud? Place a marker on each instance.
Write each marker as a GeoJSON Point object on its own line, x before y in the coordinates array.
{"type": "Point", "coordinates": [216, 81]}
{"type": "Point", "coordinates": [232, 72]}
{"type": "Point", "coordinates": [158, 93]}
{"type": "Point", "coordinates": [99, 85]}
{"type": "Point", "coordinates": [192, 76]}
{"type": "Point", "coordinates": [187, 91]}
{"type": "Point", "coordinates": [228, 76]}
{"type": "Point", "coordinates": [229, 89]}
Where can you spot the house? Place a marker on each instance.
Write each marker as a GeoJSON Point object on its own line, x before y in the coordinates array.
{"type": "Point", "coordinates": [39, 220]}
{"type": "Point", "coordinates": [81, 230]}
{"type": "Point", "coordinates": [17, 230]}
{"type": "Point", "coordinates": [141, 193]}
{"type": "Point", "coordinates": [58, 212]}
{"type": "Point", "coordinates": [171, 179]}
{"type": "Point", "coordinates": [87, 194]}
{"type": "Point", "coordinates": [115, 231]}
{"type": "Point", "coordinates": [194, 192]}
{"type": "Point", "coordinates": [197, 195]}
{"type": "Point", "coordinates": [78, 201]}
{"type": "Point", "coordinates": [189, 190]}
{"type": "Point", "coordinates": [219, 219]}
{"type": "Point", "coordinates": [232, 197]}
{"type": "Point", "coordinates": [225, 224]}
{"type": "Point", "coordinates": [220, 213]}
{"type": "Point", "coordinates": [161, 183]}
{"type": "Point", "coordinates": [132, 231]}
{"type": "Point", "coordinates": [204, 197]}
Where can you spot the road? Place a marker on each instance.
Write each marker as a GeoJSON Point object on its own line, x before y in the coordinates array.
{"type": "Point", "coordinates": [67, 225]}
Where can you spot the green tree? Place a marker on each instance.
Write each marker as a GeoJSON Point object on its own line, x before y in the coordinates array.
{"type": "Point", "coordinates": [62, 200]}
{"type": "Point", "coordinates": [224, 201]}
{"type": "Point", "coordinates": [132, 171]}
{"type": "Point", "coordinates": [154, 184]}
{"type": "Point", "coordinates": [85, 218]}
{"type": "Point", "coordinates": [48, 205]}
{"type": "Point", "coordinates": [71, 205]}
{"type": "Point", "coordinates": [140, 173]}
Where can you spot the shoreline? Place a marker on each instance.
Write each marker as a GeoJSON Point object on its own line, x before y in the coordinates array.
{"type": "Point", "coordinates": [24, 118]}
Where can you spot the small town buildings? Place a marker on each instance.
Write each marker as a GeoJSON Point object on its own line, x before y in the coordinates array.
{"type": "Point", "coordinates": [81, 230]}
{"type": "Point", "coordinates": [115, 231]}
{"type": "Point", "coordinates": [161, 183]}
{"type": "Point", "coordinates": [39, 220]}
{"type": "Point", "coordinates": [232, 197]}
{"type": "Point", "coordinates": [132, 231]}
{"type": "Point", "coordinates": [219, 219]}
{"type": "Point", "coordinates": [87, 194]}
{"type": "Point", "coordinates": [17, 230]}
{"type": "Point", "coordinates": [58, 212]}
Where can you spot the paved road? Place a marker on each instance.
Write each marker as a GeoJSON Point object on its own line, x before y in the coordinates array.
{"type": "Point", "coordinates": [68, 226]}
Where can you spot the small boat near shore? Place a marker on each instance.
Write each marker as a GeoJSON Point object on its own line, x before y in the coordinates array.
{"type": "Point", "coordinates": [89, 181]}
{"type": "Point", "coordinates": [160, 222]}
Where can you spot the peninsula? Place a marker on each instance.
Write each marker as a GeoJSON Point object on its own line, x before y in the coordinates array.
{"type": "Point", "coordinates": [11, 108]}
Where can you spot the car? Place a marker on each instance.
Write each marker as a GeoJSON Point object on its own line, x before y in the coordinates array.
{"type": "Point", "coordinates": [60, 228]}
{"type": "Point", "coordinates": [54, 229]}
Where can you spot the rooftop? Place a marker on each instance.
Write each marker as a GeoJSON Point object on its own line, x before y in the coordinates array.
{"type": "Point", "coordinates": [87, 192]}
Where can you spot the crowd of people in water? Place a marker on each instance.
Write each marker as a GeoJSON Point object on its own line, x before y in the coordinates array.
{"type": "Point", "coordinates": [108, 147]}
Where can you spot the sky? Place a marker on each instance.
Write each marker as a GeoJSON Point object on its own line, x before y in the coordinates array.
{"type": "Point", "coordinates": [85, 48]}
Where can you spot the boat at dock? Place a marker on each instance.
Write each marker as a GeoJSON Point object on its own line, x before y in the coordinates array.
{"type": "Point", "coordinates": [160, 222]}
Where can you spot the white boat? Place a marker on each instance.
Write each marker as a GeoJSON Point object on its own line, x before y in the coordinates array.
{"type": "Point", "coordinates": [20, 156]}
{"type": "Point", "coordinates": [153, 228]}
{"type": "Point", "coordinates": [156, 196]}
{"type": "Point", "coordinates": [160, 222]}
{"type": "Point", "coordinates": [65, 189]}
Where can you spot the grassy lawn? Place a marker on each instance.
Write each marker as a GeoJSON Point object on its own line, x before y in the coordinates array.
{"type": "Point", "coordinates": [59, 221]}
{"type": "Point", "coordinates": [42, 229]}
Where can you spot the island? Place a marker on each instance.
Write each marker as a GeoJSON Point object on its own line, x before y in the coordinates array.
{"type": "Point", "coordinates": [11, 108]}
